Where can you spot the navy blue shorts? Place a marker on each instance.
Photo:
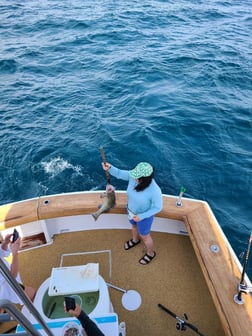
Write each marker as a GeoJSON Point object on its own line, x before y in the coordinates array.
{"type": "Point", "coordinates": [143, 226]}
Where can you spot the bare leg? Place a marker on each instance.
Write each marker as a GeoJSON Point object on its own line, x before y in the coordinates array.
{"type": "Point", "coordinates": [135, 239]}
{"type": "Point", "coordinates": [148, 242]}
{"type": "Point", "coordinates": [135, 234]}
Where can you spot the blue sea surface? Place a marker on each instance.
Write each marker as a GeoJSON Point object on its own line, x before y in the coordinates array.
{"type": "Point", "coordinates": [159, 81]}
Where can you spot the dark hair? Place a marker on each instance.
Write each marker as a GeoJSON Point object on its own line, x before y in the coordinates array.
{"type": "Point", "coordinates": [144, 182]}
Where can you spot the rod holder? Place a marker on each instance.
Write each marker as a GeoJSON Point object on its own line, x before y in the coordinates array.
{"type": "Point", "coordinates": [242, 287]}
{"type": "Point", "coordinates": [179, 201]}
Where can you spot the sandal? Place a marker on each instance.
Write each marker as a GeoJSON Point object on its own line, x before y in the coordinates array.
{"type": "Point", "coordinates": [130, 243]}
{"type": "Point", "coordinates": [146, 259]}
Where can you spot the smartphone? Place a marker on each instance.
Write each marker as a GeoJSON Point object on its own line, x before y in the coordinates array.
{"type": "Point", "coordinates": [15, 236]}
{"type": "Point", "coordinates": [69, 303]}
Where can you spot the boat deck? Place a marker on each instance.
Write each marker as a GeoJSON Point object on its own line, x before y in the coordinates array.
{"type": "Point", "coordinates": [173, 278]}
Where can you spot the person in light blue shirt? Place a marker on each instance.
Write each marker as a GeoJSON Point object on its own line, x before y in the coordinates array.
{"type": "Point", "coordinates": [144, 201]}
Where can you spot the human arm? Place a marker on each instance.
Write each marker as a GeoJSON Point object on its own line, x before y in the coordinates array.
{"type": "Point", "coordinates": [14, 265]}
{"type": "Point", "coordinates": [89, 326]}
{"type": "Point", "coordinates": [152, 202]}
{"type": "Point", "coordinates": [116, 172]}
{"type": "Point", "coordinates": [156, 203]}
{"type": "Point", "coordinates": [6, 242]}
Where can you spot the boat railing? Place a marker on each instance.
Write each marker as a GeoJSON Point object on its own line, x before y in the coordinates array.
{"type": "Point", "coordinates": [13, 313]}
{"type": "Point", "coordinates": [24, 298]}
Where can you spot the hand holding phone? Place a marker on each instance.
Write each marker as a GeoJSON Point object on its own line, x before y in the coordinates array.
{"type": "Point", "coordinates": [69, 303]}
{"type": "Point", "coordinates": [15, 236]}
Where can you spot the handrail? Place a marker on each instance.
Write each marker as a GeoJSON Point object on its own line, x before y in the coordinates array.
{"type": "Point", "coordinates": [15, 313]}
{"type": "Point", "coordinates": [5, 317]}
{"type": "Point", "coordinates": [19, 291]}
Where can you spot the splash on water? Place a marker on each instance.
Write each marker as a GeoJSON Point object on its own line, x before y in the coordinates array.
{"type": "Point", "coordinates": [57, 165]}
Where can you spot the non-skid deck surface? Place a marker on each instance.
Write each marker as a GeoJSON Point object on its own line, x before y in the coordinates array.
{"type": "Point", "coordinates": [173, 278]}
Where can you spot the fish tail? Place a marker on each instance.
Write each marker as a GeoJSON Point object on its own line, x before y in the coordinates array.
{"type": "Point", "coordinates": [94, 216]}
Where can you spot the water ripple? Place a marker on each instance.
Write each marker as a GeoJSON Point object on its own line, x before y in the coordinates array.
{"type": "Point", "coordinates": [170, 81]}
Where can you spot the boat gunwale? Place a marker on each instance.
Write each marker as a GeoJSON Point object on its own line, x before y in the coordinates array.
{"type": "Point", "coordinates": [235, 318]}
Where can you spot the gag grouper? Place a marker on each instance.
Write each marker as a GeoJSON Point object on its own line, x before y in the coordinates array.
{"type": "Point", "coordinates": [109, 202]}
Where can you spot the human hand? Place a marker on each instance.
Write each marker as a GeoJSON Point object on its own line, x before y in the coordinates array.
{"type": "Point", "coordinates": [7, 238]}
{"type": "Point", "coordinates": [106, 165]}
{"type": "Point", "coordinates": [6, 241]}
{"type": "Point", "coordinates": [76, 312]}
{"type": "Point", "coordinates": [136, 218]}
{"type": "Point", "coordinates": [15, 246]}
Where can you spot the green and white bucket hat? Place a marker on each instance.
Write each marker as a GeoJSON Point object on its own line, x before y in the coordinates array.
{"type": "Point", "coordinates": [143, 169]}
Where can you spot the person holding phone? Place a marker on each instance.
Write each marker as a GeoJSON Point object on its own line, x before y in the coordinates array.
{"type": "Point", "coordinates": [7, 247]}
{"type": "Point", "coordinates": [88, 325]}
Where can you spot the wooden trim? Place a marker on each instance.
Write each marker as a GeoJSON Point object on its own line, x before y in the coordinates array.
{"type": "Point", "coordinates": [220, 270]}
{"type": "Point", "coordinates": [72, 204]}
{"type": "Point", "coordinates": [76, 204]}
{"type": "Point", "coordinates": [18, 213]}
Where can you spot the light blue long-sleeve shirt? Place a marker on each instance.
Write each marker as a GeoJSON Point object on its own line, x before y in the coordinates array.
{"type": "Point", "coordinates": [144, 203]}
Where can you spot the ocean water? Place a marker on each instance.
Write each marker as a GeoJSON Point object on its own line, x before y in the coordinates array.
{"type": "Point", "coordinates": [159, 81]}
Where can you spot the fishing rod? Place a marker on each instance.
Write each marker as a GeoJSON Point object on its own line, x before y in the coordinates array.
{"type": "Point", "coordinates": [104, 161]}
{"type": "Point", "coordinates": [181, 324]}
{"type": "Point", "coordinates": [242, 287]}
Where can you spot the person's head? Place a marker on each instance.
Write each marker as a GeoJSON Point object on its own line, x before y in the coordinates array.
{"type": "Point", "coordinates": [143, 173]}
